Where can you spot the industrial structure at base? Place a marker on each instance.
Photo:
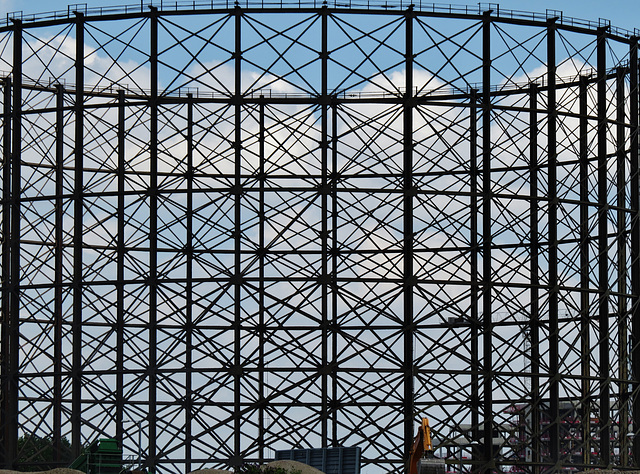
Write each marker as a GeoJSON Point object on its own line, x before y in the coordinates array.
{"type": "Point", "coordinates": [422, 459]}
{"type": "Point", "coordinates": [104, 456]}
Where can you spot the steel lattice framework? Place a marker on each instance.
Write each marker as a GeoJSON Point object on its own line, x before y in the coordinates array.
{"type": "Point", "coordinates": [234, 228]}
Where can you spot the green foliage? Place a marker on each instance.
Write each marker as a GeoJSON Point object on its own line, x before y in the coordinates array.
{"type": "Point", "coordinates": [39, 454]}
{"type": "Point", "coordinates": [256, 469]}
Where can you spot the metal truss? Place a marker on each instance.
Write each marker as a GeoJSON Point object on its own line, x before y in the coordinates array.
{"type": "Point", "coordinates": [229, 229]}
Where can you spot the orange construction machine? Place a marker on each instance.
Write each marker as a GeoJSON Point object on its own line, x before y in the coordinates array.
{"type": "Point", "coordinates": [422, 459]}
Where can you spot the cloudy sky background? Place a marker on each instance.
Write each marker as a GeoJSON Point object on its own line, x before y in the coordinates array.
{"type": "Point", "coordinates": [624, 14]}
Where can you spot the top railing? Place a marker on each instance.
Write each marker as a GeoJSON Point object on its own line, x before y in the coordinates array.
{"type": "Point", "coordinates": [194, 92]}
{"type": "Point", "coordinates": [418, 5]}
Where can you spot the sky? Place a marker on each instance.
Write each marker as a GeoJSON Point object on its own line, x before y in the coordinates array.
{"type": "Point", "coordinates": [622, 13]}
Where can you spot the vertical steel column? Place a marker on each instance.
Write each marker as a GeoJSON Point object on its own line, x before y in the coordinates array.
{"type": "Point", "coordinates": [487, 326]}
{"type": "Point", "coordinates": [534, 321]}
{"type": "Point", "coordinates": [409, 193]}
{"type": "Point", "coordinates": [634, 185]}
{"type": "Point", "coordinates": [237, 268]}
{"type": "Point", "coordinates": [324, 233]}
{"type": "Point", "coordinates": [188, 401]}
{"type": "Point", "coordinates": [58, 270]}
{"type": "Point", "coordinates": [603, 251]}
{"type": "Point", "coordinates": [120, 255]}
{"type": "Point", "coordinates": [11, 440]}
{"type": "Point", "coordinates": [635, 240]}
{"type": "Point", "coordinates": [623, 270]}
{"type": "Point", "coordinates": [335, 176]}
{"type": "Point", "coordinates": [78, 211]}
{"type": "Point", "coordinates": [5, 387]}
{"type": "Point", "coordinates": [474, 323]}
{"type": "Point", "coordinates": [585, 314]}
{"type": "Point", "coordinates": [554, 384]}
{"type": "Point", "coordinates": [261, 296]}
{"type": "Point", "coordinates": [153, 239]}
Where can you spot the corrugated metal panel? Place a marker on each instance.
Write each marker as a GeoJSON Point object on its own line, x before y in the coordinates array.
{"type": "Point", "coordinates": [344, 460]}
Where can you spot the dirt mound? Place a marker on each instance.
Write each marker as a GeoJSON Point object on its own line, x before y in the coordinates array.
{"type": "Point", "coordinates": [288, 465]}
{"type": "Point", "coordinates": [607, 471]}
{"type": "Point", "coordinates": [295, 466]}
{"type": "Point", "coordinates": [209, 471]}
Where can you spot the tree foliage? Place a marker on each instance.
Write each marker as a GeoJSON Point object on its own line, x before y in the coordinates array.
{"type": "Point", "coordinates": [40, 454]}
{"type": "Point", "coordinates": [256, 469]}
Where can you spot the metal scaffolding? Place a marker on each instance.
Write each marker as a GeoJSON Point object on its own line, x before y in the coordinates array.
{"type": "Point", "coordinates": [234, 228]}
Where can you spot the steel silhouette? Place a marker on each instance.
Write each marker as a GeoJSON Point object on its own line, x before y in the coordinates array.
{"type": "Point", "coordinates": [233, 228]}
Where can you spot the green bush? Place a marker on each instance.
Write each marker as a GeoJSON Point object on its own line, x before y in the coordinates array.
{"type": "Point", "coordinates": [39, 454]}
{"type": "Point", "coordinates": [256, 469]}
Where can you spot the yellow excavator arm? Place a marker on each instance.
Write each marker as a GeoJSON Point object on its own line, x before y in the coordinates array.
{"type": "Point", "coordinates": [422, 460]}
{"type": "Point", "coordinates": [426, 430]}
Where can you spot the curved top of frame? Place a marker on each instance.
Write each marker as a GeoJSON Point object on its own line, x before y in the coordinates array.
{"type": "Point", "coordinates": [173, 7]}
